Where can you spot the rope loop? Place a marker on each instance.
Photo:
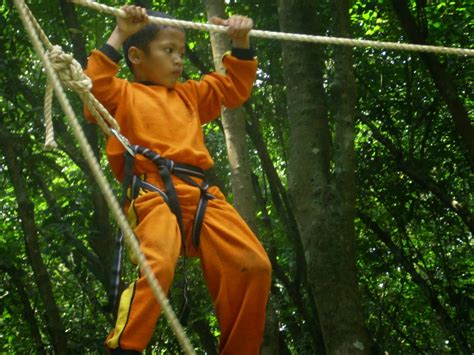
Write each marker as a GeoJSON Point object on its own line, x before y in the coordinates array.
{"type": "Point", "coordinates": [69, 70]}
{"type": "Point", "coordinates": [35, 34]}
{"type": "Point", "coordinates": [71, 74]}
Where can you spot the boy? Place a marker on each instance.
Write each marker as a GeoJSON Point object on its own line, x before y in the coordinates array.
{"type": "Point", "coordinates": [157, 112]}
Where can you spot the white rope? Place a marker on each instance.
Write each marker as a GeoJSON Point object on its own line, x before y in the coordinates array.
{"type": "Point", "coordinates": [286, 36]}
{"type": "Point", "coordinates": [71, 74]}
{"type": "Point", "coordinates": [49, 142]}
{"type": "Point", "coordinates": [112, 203]}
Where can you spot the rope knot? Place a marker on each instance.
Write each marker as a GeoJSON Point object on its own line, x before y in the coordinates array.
{"type": "Point", "coordinates": [70, 73]}
{"type": "Point", "coordinates": [69, 70]}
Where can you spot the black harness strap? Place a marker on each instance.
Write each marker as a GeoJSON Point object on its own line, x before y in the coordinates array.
{"type": "Point", "coordinates": [199, 215]}
{"type": "Point", "coordinates": [131, 185]}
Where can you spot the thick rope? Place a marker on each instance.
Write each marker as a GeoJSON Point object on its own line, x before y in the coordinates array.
{"type": "Point", "coordinates": [72, 76]}
{"type": "Point", "coordinates": [49, 142]}
{"type": "Point", "coordinates": [100, 178]}
{"type": "Point", "coordinates": [286, 36]}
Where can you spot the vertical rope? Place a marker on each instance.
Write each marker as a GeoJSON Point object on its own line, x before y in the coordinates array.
{"type": "Point", "coordinates": [49, 143]}
{"type": "Point", "coordinates": [101, 180]}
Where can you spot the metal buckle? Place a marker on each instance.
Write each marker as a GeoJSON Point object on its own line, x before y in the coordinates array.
{"type": "Point", "coordinates": [124, 141]}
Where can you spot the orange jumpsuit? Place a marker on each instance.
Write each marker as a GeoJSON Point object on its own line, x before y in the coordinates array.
{"type": "Point", "coordinates": [234, 263]}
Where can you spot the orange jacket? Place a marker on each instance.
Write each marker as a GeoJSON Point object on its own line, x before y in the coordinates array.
{"type": "Point", "coordinates": [167, 121]}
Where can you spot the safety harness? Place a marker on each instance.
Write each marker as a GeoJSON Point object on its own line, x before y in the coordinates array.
{"type": "Point", "coordinates": [133, 184]}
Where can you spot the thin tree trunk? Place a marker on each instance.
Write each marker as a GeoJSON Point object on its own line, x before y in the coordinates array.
{"type": "Point", "coordinates": [201, 327]}
{"type": "Point", "coordinates": [280, 198]}
{"type": "Point", "coordinates": [294, 290]}
{"type": "Point", "coordinates": [341, 214]}
{"type": "Point", "coordinates": [102, 234]}
{"type": "Point", "coordinates": [442, 80]}
{"type": "Point", "coordinates": [16, 276]}
{"type": "Point", "coordinates": [233, 122]}
{"type": "Point", "coordinates": [26, 215]}
{"type": "Point", "coordinates": [80, 253]}
{"type": "Point", "coordinates": [79, 250]}
{"type": "Point", "coordinates": [271, 342]}
{"type": "Point", "coordinates": [308, 124]}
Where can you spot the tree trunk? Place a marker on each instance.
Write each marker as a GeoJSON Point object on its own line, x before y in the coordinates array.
{"type": "Point", "coordinates": [295, 293]}
{"type": "Point", "coordinates": [280, 199]}
{"type": "Point", "coordinates": [26, 215]}
{"type": "Point", "coordinates": [233, 122]}
{"type": "Point", "coordinates": [16, 276]}
{"type": "Point", "coordinates": [101, 235]}
{"type": "Point", "coordinates": [322, 190]}
{"type": "Point", "coordinates": [78, 249]}
{"type": "Point", "coordinates": [201, 327]}
{"type": "Point", "coordinates": [307, 121]}
{"type": "Point", "coordinates": [271, 338]}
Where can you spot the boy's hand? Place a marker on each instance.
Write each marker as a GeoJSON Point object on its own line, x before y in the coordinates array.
{"type": "Point", "coordinates": [136, 19]}
{"type": "Point", "coordinates": [239, 28]}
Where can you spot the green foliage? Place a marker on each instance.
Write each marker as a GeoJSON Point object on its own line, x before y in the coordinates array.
{"type": "Point", "coordinates": [403, 129]}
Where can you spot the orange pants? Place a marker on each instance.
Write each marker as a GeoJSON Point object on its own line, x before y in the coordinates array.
{"type": "Point", "coordinates": [234, 263]}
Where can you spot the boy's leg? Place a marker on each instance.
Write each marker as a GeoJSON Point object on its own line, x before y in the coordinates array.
{"type": "Point", "coordinates": [160, 241]}
{"type": "Point", "coordinates": [238, 274]}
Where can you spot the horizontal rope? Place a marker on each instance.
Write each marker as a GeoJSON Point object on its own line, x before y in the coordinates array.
{"type": "Point", "coordinates": [287, 36]}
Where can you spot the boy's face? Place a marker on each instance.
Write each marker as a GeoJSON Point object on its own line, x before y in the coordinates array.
{"type": "Point", "coordinates": [163, 63]}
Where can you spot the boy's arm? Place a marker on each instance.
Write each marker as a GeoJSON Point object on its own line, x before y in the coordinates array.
{"type": "Point", "coordinates": [102, 64]}
{"type": "Point", "coordinates": [106, 87]}
{"type": "Point", "coordinates": [233, 88]}
{"type": "Point", "coordinates": [230, 90]}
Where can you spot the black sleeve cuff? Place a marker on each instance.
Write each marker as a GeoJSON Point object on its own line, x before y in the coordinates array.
{"type": "Point", "coordinates": [243, 53]}
{"type": "Point", "coordinates": [111, 52]}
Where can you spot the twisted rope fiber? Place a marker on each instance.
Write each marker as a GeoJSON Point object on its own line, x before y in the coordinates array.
{"type": "Point", "coordinates": [72, 76]}
{"type": "Point", "coordinates": [286, 36]}
{"type": "Point", "coordinates": [49, 142]}
{"type": "Point", "coordinates": [100, 178]}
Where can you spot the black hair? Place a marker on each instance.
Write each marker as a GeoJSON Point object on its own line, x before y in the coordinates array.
{"type": "Point", "coordinates": [142, 38]}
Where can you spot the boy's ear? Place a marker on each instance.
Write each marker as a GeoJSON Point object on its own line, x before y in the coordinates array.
{"type": "Point", "coordinates": [135, 55]}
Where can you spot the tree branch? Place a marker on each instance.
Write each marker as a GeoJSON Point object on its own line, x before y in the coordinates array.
{"type": "Point", "coordinates": [26, 215]}
{"type": "Point", "coordinates": [442, 80]}
{"type": "Point", "coordinates": [412, 170]}
{"type": "Point", "coordinates": [446, 322]}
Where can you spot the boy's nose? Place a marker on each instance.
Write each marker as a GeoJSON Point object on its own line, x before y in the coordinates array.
{"type": "Point", "coordinates": [178, 60]}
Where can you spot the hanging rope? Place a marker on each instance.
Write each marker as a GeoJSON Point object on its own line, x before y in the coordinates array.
{"type": "Point", "coordinates": [35, 33]}
{"type": "Point", "coordinates": [62, 67]}
{"type": "Point", "coordinates": [72, 76]}
{"type": "Point", "coordinates": [286, 36]}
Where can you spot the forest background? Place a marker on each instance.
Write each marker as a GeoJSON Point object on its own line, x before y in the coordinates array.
{"type": "Point", "coordinates": [354, 167]}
